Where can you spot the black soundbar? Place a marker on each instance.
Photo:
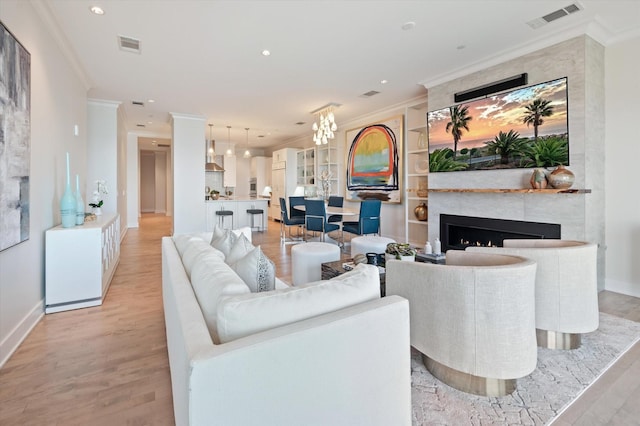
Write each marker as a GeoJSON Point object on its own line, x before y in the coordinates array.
{"type": "Point", "coordinates": [488, 89]}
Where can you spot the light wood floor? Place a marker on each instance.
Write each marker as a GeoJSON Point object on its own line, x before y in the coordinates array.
{"type": "Point", "coordinates": [108, 365]}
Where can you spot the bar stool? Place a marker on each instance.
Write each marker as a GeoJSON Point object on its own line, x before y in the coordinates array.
{"type": "Point", "coordinates": [222, 214]}
{"type": "Point", "coordinates": [253, 213]}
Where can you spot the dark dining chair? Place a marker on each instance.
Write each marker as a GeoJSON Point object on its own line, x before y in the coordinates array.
{"type": "Point", "coordinates": [295, 201]}
{"type": "Point", "coordinates": [369, 220]}
{"type": "Point", "coordinates": [335, 201]}
{"type": "Point", "coordinates": [285, 221]}
{"type": "Point", "coordinates": [316, 218]}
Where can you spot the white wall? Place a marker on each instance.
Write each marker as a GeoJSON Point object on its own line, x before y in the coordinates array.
{"type": "Point", "coordinates": [147, 182]}
{"type": "Point", "coordinates": [621, 161]}
{"type": "Point", "coordinates": [58, 102]}
{"type": "Point", "coordinates": [160, 182]}
{"type": "Point", "coordinates": [133, 181]}
{"type": "Point", "coordinates": [102, 151]}
{"type": "Point", "coordinates": [187, 157]}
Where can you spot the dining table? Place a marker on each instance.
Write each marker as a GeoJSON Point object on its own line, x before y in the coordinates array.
{"type": "Point", "coordinates": [332, 210]}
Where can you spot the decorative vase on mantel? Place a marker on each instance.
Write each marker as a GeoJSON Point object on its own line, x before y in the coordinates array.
{"type": "Point", "coordinates": [97, 211]}
{"type": "Point", "coordinates": [561, 178]}
{"type": "Point", "coordinates": [538, 179]}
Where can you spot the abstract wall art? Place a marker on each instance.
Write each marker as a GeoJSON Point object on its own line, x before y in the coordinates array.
{"type": "Point", "coordinates": [373, 161]}
{"type": "Point", "coordinates": [15, 139]}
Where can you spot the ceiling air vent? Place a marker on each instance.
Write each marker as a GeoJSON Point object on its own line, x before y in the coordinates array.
{"type": "Point", "coordinates": [300, 123]}
{"type": "Point", "coordinates": [129, 44]}
{"type": "Point", "coordinates": [140, 125]}
{"type": "Point", "coordinates": [550, 17]}
{"type": "Point", "coordinates": [137, 103]}
{"type": "Point", "coordinates": [369, 94]}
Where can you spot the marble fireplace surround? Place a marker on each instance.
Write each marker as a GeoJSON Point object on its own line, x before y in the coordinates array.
{"type": "Point", "coordinates": [581, 215]}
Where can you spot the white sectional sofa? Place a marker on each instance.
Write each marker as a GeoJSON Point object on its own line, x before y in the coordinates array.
{"type": "Point", "coordinates": [326, 353]}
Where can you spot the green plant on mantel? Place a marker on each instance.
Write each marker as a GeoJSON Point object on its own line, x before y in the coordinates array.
{"type": "Point", "coordinates": [399, 249]}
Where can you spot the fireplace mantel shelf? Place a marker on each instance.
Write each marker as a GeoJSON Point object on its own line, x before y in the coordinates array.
{"type": "Point", "coordinates": [514, 190]}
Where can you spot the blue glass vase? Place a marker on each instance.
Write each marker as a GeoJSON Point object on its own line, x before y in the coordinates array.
{"type": "Point", "coordinates": [68, 203]}
{"type": "Point", "coordinates": [79, 203]}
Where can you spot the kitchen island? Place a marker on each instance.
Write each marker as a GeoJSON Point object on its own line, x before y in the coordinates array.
{"type": "Point", "coordinates": [239, 207]}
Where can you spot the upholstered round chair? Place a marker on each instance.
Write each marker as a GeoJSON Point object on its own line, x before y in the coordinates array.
{"type": "Point", "coordinates": [566, 287]}
{"type": "Point", "coordinates": [473, 318]}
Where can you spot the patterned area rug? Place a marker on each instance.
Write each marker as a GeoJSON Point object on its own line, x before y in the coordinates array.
{"type": "Point", "coordinates": [559, 378]}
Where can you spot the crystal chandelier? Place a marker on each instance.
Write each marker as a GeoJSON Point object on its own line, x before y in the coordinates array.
{"type": "Point", "coordinates": [325, 127]}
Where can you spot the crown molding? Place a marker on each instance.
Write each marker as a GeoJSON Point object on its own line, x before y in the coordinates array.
{"type": "Point", "coordinates": [49, 20]}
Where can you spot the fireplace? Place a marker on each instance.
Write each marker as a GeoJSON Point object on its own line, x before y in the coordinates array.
{"type": "Point", "coordinates": [458, 232]}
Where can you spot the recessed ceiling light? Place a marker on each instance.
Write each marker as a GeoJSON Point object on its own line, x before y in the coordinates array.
{"type": "Point", "coordinates": [384, 81]}
{"type": "Point", "coordinates": [408, 26]}
{"type": "Point", "coordinates": [97, 10]}
{"type": "Point", "coordinates": [265, 52]}
{"type": "Point", "coordinates": [151, 101]}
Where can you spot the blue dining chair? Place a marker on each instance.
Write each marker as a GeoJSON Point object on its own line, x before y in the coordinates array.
{"type": "Point", "coordinates": [295, 201]}
{"type": "Point", "coordinates": [369, 220]}
{"type": "Point", "coordinates": [316, 218]}
{"type": "Point", "coordinates": [289, 222]}
{"type": "Point", "coordinates": [335, 201]}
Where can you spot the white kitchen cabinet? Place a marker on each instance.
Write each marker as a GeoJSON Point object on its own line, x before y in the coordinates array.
{"type": "Point", "coordinates": [283, 178]}
{"type": "Point", "coordinates": [80, 262]}
{"type": "Point", "coordinates": [229, 179]}
{"type": "Point", "coordinates": [261, 171]}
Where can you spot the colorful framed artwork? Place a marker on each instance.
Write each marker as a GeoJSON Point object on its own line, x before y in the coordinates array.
{"type": "Point", "coordinates": [374, 168]}
{"type": "Point", "coordinates": [15, 139]}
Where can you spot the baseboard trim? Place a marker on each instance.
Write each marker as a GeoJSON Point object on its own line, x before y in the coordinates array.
{"type": "Point", "coordinates": [622, 287]}
{"type": "Point", "coordinates": [20, 332]}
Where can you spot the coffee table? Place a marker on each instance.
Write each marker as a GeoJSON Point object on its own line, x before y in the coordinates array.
{"type": "Point", "coordinates": [333, 269]}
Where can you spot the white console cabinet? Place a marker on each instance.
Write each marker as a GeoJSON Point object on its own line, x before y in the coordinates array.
{"type": "Point", "coordinates": [80, 262]}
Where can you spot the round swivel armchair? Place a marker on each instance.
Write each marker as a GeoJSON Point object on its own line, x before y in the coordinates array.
{"type": "Point", "coordinates": [566, 287]}
{"type": "Point", "coordinates": [473, 319]}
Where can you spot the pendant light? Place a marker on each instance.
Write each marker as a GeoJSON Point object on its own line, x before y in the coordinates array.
{"type": "Point", "coordinates": [210, 158]}
{"type": "Point", "coordinates": [229, 150]}
{"type": "Point", "coordinates": [247, 153]}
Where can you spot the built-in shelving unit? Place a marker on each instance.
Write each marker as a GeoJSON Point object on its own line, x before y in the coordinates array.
{"type": "Point", "coordinates": [417, 172]}
{"type": "Point", "coordinates": [328, 160]}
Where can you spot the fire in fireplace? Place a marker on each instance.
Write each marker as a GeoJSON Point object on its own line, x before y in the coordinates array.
{"type": "Point", "coordinates": [458, 232]}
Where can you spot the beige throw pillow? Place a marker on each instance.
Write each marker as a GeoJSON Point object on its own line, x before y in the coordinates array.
{"type": "Point", "coordinates": [225, 242]}
{"type": "Point", "coordinates": [240, 249]}
{"type": "Point", "coordinates": [256, 270]}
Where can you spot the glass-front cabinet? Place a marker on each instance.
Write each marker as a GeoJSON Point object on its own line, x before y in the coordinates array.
{"type": "Point", "coordinates": [328, 164]}
{"type": "Point", "coordinates": [306, 167]}
{"type": "Point", "coordinates": [417, 170]}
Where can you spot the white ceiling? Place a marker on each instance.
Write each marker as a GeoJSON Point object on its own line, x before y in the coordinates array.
{"type": "Point", "coordinates": [204, 57]}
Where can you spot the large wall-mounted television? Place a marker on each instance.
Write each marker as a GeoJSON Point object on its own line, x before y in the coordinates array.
{"type": "Point", "coordinates": [526, 127]}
